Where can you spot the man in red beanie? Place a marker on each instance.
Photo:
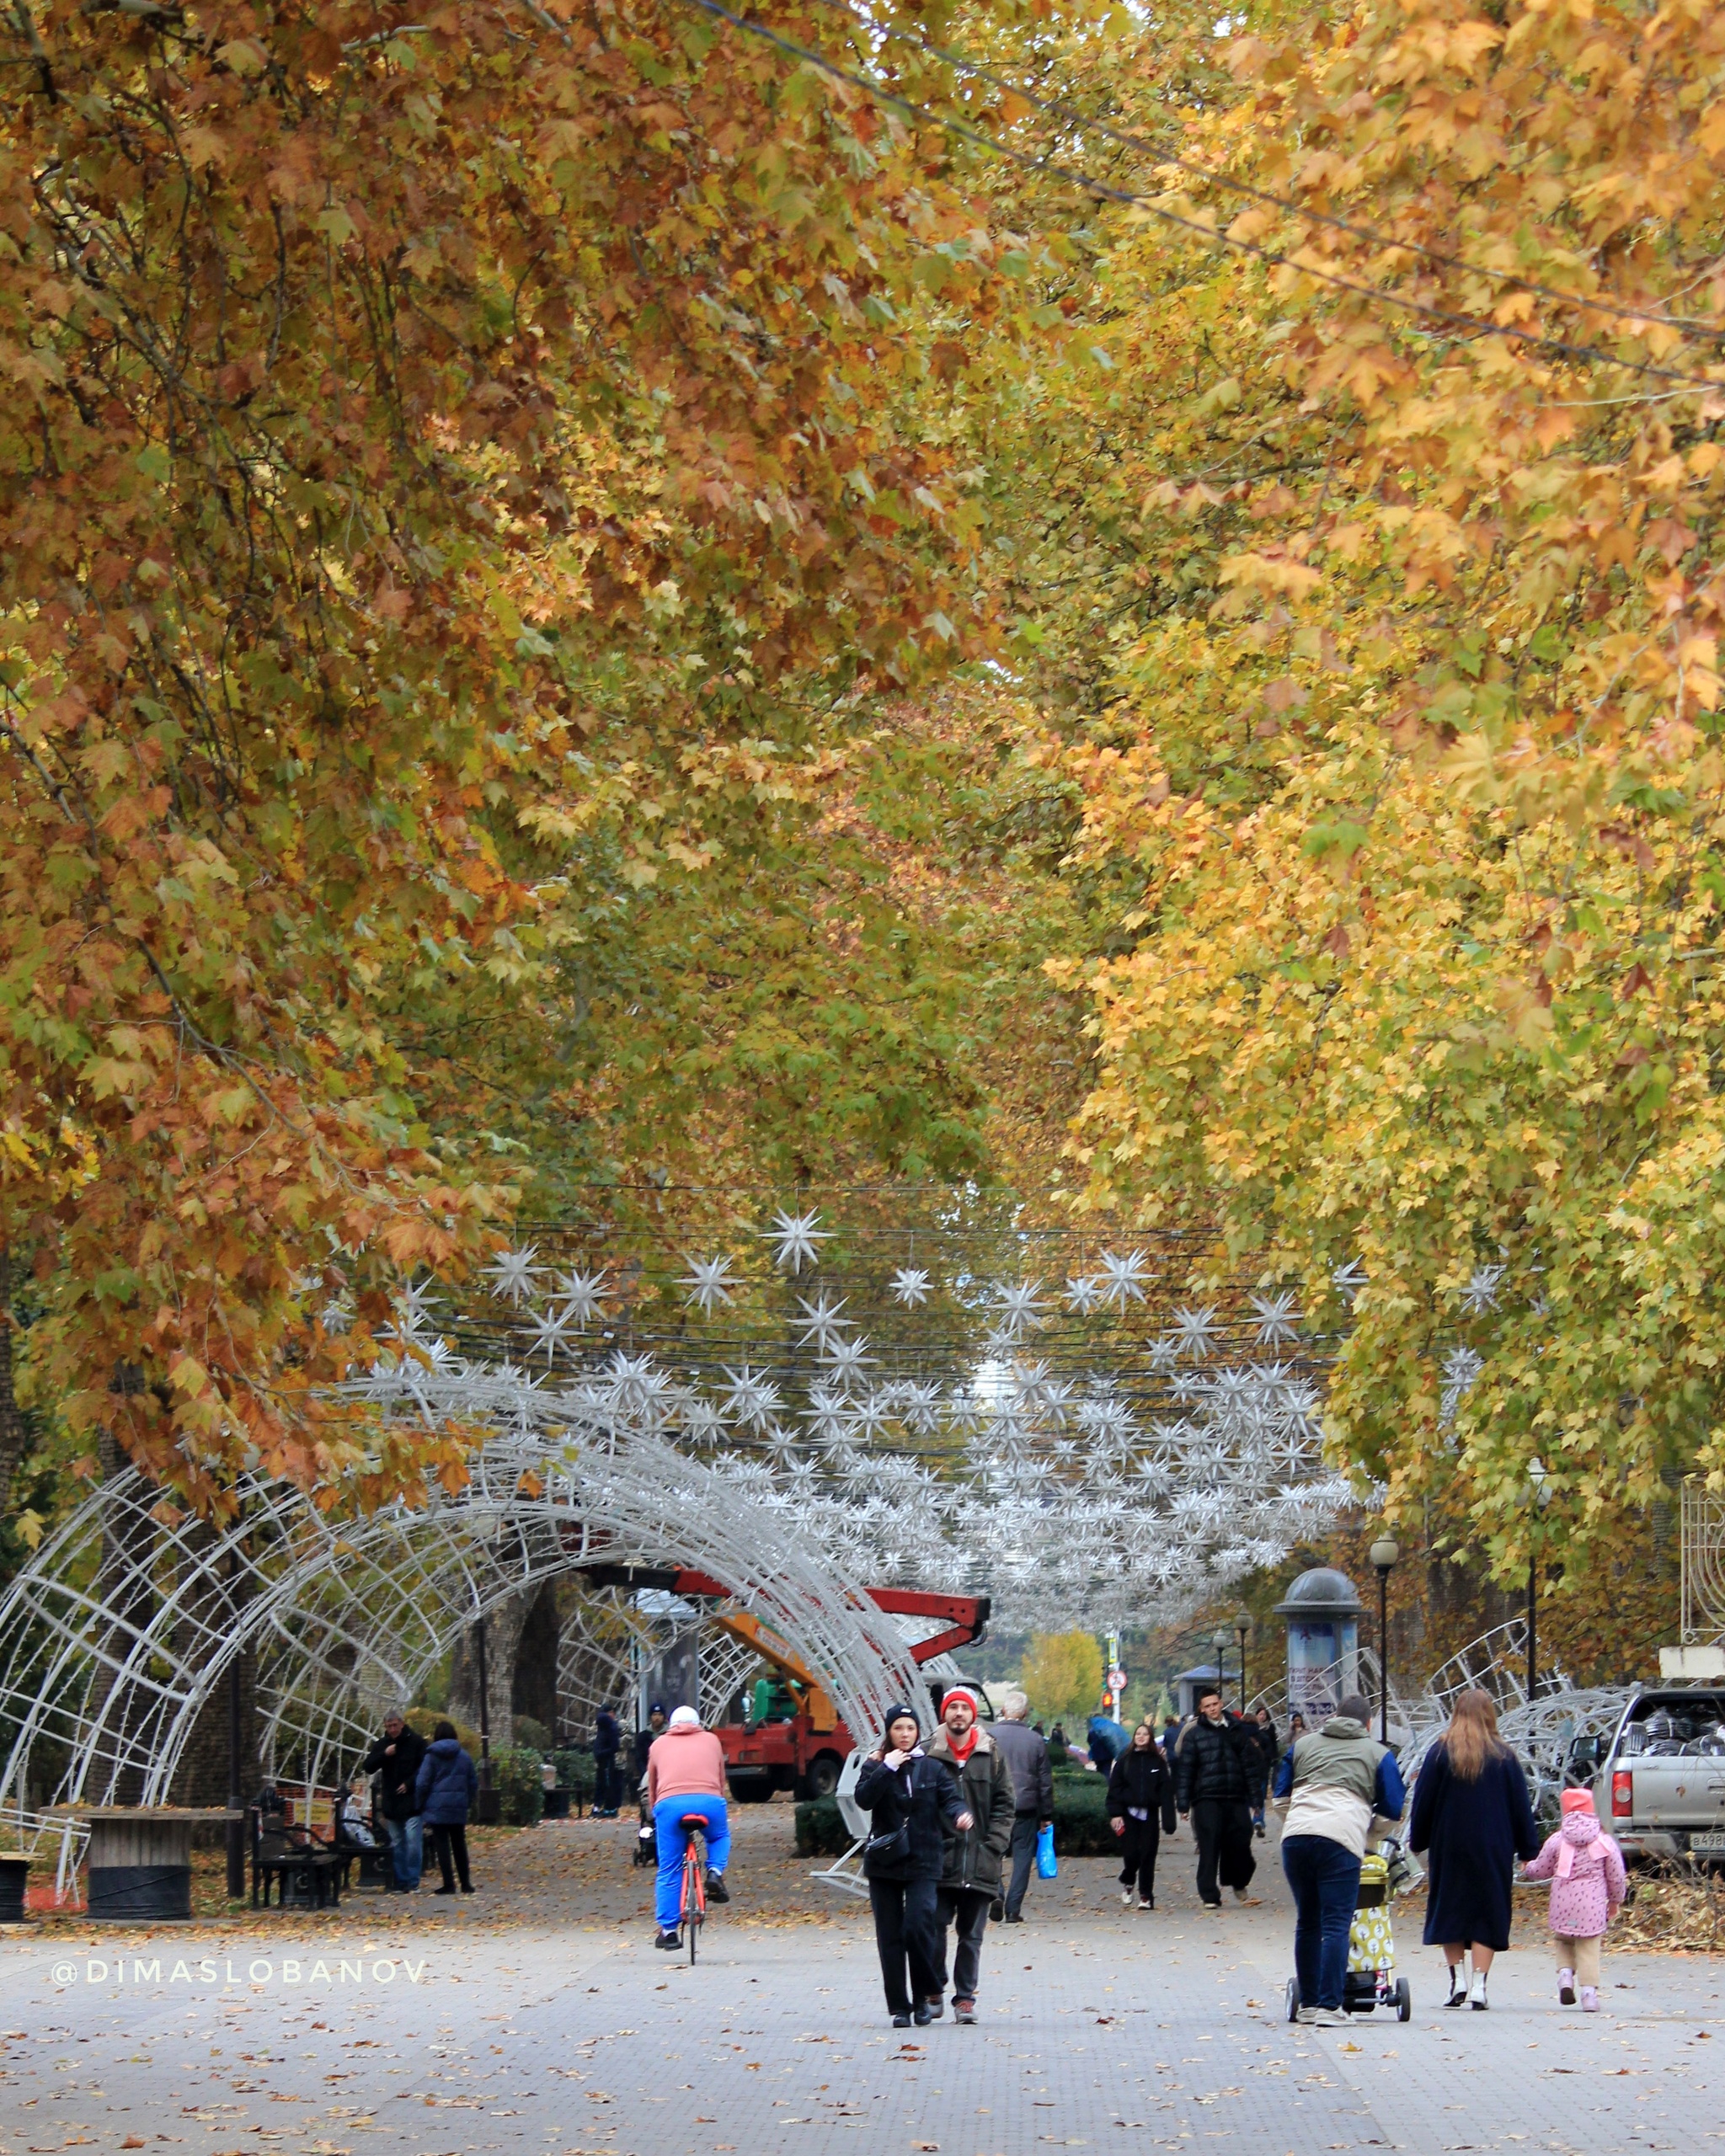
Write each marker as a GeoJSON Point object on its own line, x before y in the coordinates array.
{"type": "Point", "coordinates": [971, 1878]}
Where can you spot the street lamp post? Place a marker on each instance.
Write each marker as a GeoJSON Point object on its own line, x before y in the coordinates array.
{"type": "Point", "coordinates": [1385, 1551]}
{"type": "Point", "coordinates": [1540, 1496]}
{"type": "Point", "coordinates": [1218, 1640]}
{"type": "Point", "coordinates": [1242, 1632]}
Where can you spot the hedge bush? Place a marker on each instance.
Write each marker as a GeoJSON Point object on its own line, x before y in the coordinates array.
{"type": "Point", "coordinates": [520, 1786]}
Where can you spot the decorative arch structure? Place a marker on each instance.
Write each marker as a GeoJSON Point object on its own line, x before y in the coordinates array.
{"type": "Point", "coordinates": [117, 1638]}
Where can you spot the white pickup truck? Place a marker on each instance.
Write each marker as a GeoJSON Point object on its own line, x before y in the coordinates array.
{"type": "Point", "coordinates": [1659, 1778]}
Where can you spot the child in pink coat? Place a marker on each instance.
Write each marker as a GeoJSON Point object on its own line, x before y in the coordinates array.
{"type": "Point", "coordinates": [1585, 1867]}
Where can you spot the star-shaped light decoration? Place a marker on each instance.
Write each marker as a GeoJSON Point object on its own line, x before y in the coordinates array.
{"type": "Point", "coordinates": [513, 1272]}
{"type": "Point", "coordinates": [1347, 1280]}
{"type": "Point", "coordinates": [1018, 1308]}
{"type": "Point", "coordinates": [795, 1238]}
{"type": "Point", "coordinates": [1083, 1293]}
{"type": "Point", "coordinates": [1461, 1368]}
{"type": "Point", "coordinates": [1195, 1329]}
{"type": "Point", "coordinates": [1278, 1319]}
{"type": "Point", "coordinates": [847, 1359]}
{"type": "Point", "coordinates": [709, 1281]}
{"type": "Point", "coordinates": [1122, 1278]}
{"type": "Point", "coordinates": [821, 1320]}
{"type": "Point", "coordinates": [910, 1287]}
{"type": "Point", "coordinates": [1480, 1293]}
{"type": "Point", "coordinates": [752, 1396]}
{"type": "Point", "coordinates": [582, 1295]}
{"type": "Point", "coordinates": [549, 1332]}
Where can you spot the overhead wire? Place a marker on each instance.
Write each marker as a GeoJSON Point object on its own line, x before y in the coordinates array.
{"type": "Point", "coordinates": [1211, 235]}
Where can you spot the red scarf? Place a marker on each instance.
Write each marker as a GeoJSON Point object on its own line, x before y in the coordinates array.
{"type": "Point", "coordinates": [962, 1747]}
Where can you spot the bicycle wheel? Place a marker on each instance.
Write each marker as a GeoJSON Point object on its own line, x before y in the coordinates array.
{"type": "Point", "coordinates": [694, 1891]}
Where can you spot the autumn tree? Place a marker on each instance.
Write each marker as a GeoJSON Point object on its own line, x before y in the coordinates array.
{"type": "Point", "coordinates": [1062, 1675]}
{"type": "Point", "coordinates": [1371, 577]}
{"type": "Point", "coordinates": [391, 397]}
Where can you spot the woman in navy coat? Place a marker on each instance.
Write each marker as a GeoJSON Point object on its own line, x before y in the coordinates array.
{"type": "Point", "coordinates": [445, 1789]}
{"type": "Point", "coordinates": [1470, 1820]}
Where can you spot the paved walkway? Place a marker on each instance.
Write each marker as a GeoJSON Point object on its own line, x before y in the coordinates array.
{"type": "Point", "coordinates": [534, 2016]}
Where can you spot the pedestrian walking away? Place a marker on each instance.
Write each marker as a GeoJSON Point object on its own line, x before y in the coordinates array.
{"type": "Point", "coordinates": [970, 1875]}
{"type": "Point", "coordinates": [1589, 1882]}
{"type": "Point", "coordinates": [685, 1779]}
{"type": "Point", "coordinates": [1337, 1788]}
{"type": "Point", "coordinates": [1471, 1819]}
{"type": "Point", "coordinates": [1217, 1777]}
{"type": "Point", "coordinates": [395, 1758]}
{"type": "Point", "coordinates": [1141, 1811]}
{"type": "Point", "coordinates": [445, 1788]}
{"type": "Point", "coordinates": [1270, 1751]}
{"type": "Point", "coordinates": [909, 1794]}
{"type": "Point", "coordinates": [1033, 1797]}
{"type": "Point", "coordinates": [607, 1780]}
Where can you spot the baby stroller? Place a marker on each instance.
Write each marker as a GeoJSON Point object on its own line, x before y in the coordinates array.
{"type": "Point", "coordinates": [646, 1840]}
{"type": "Point", "coordinates": [1372, 1980]}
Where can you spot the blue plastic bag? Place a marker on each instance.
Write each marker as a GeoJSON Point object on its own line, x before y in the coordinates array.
{"type": "Point", "coordinates": [1046, 1867]}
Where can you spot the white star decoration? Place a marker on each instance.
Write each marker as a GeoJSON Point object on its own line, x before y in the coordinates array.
{"type": "Point", "coordinates": [910, 1287]}
{"type": "Point", "coordinates": [512, 1271]}
{"type": "Point", "coordinates": [710, 1283]}
{"type": "Point", "coordinates": [795, 1237]}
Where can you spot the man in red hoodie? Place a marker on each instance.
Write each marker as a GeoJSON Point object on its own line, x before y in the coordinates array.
{"type": "Point", "coordinates": [684, 1776]}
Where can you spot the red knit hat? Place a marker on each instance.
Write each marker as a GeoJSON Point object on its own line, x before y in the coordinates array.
{"type": "Point", "coordinates": [961, 1692]}
{"type": "Point", "coordinates": [1576, 1800]}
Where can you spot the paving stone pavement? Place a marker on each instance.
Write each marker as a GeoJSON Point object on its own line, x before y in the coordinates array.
{"type": "Point", "coordinates": [536, 2016]}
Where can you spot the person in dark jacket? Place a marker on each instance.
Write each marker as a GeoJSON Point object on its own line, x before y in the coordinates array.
{"type": "Point", "coordinates": [608, 1742]}
{"type": "Point", "coordinates": [395, 1758]}
{"type": "Point", "coordinates": [447, 1784]}
{"type": "Point", "coordinates": [1142, 1811]}
{"type": "Point", "coordinates": [970, 1878]}
{"type": "Point", "coordinates": [1263, 1730]}
{"type": "Point", "coordinates": [909, 1795]}
{"type": "Point", "coordinates": [658, 1721]}
{"type": "Point", "coordinates": [1470, 1820]}
{"type": "Point", "coordinates": [1033, 1797]}
{"type": "Point", "coordinates": [1218, 1777]}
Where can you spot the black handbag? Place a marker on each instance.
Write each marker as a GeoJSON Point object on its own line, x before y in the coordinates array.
{"type": "Point", "coordinates": [887, 1846]}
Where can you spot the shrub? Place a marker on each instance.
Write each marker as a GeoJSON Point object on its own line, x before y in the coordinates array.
{"type": "Point", "coordinates": [821, 1830]}
{"type": "Point", "coordinates": [576, 1772]}
{"type": "Point", "coordinates": [520, 1786]}
{"type": "Point", "coordinates": [531, 1736]}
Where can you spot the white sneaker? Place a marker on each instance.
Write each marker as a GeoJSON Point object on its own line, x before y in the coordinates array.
{"type": "Point", "coordinates": [1328, 2017]}
{"type": "Point", "coordinates": [1126, 1897]}
{"type": "Point", "coordinates": [1306, 2016]}
{"type": "Point", "coordinates": [1477, 1993]}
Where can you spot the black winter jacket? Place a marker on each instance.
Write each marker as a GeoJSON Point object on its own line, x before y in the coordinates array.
{"type": "Point", "coordinates": [1140, 1782]}
{"type": "Point", "coordinates": [1218, 1763]}
{"type": "Point", "coordinates": [400, 1772]}
{"type": "Point", "coordinates": [919, 1795]}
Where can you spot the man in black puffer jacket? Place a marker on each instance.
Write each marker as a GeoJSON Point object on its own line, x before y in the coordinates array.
{"type": "Point", "coordinates": [1219, 1776]}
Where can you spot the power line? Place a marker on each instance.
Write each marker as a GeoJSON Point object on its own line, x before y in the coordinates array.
{"type": "Point", "coordinates": [1059, 109]}
{"type": "Point", "coordinates": [1475, 325]}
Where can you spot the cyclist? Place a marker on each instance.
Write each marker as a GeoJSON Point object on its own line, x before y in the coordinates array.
{"type": "Point", "coordinates": [685, 1776]}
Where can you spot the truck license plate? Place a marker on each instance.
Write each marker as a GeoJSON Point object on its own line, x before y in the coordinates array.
{"type": "Point", "coordinates": [1707, 1844]}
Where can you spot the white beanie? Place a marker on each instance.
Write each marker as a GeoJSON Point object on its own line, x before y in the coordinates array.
{"type": "Point", "coordinates": [685, 1718]}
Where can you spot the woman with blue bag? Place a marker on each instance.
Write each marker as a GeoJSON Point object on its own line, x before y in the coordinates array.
{"type": "Point", "coordinates": [1142, 1811]}
{"type": "Point", "coordinates": [910, 1797]}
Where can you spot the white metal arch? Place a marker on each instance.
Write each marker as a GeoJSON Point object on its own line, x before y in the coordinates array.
{"type": "Point", "coordinates": [117, 1636]}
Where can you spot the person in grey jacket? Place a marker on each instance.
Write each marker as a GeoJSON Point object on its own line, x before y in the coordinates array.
{"type": "Point", "coordinates": [1032, 1797]}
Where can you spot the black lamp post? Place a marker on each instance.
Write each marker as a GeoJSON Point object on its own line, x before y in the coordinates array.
{"type": "Point", "coordinates": [1385, 1551]}
{"type": "Point", "coordinates": [1539, 1497]}
{"type": "Point", "coordinates": [1242, 1632]}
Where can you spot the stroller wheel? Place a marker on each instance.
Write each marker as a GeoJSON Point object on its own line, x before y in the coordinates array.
{"type": "Point", "coordinates": [1404, 2000]}
{"type": "Point", "coordinates": [1293, 1998]}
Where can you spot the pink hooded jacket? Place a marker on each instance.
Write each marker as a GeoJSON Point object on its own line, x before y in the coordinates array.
{"type": "Point", "coordinates": [1585, 1867]}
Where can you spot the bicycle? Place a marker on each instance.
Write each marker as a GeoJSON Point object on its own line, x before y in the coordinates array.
{"type": "Point", "coordinates": [693, 1914]}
